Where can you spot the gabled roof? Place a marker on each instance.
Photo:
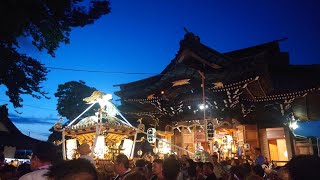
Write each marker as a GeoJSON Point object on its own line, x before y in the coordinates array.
{"type": "Point", "coordinates": [13, 137]}
{"type": "Point", "coordinates": [255, 82]}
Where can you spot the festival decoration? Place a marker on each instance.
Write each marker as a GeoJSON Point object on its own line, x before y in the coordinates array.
{"type": "Point", "coordinates": [71, 148]}
{"type": "Point", "coordinates": [163, 146]}
{"type": "Point", "coordinates": [127, 146]}
{"type": "Point", "coordinates": [99, 150]}
{"type": "Point", "coordinates": [151, 134]}
{"type": "Point", "coordinates": [180, 82]}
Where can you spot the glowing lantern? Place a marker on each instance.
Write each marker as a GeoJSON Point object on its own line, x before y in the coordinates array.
{"type": "Point", "coordinates": [100, 147]}
{"type": "Point", "coordinates": [71, 148]}
{"type": "Point", "coordinates": [163, 146]}
{"type": "Point", "coordinates": [127, 145]}
{"type": "Point", "coordinates": [151, 135]}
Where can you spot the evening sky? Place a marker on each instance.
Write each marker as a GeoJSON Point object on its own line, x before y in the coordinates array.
{"type": "Point", "coordinates": [143, 36]}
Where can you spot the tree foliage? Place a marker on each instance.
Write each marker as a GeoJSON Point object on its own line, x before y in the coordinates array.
{"type": "Point", "coordinates": [70, 99]}
{"type": "Point", "coordinates": [48, 23]}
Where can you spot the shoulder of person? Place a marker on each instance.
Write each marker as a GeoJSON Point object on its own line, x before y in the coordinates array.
{"type": "Point", "coordinates": [38, 174]}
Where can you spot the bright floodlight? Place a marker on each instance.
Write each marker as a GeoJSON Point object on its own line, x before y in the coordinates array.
{"type": "Point", "coordinates": [294, 125]}
{"type": "Point", "coordinates": [202, 106]}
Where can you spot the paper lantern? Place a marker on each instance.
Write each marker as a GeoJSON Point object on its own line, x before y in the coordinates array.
{"type": "Point", "coordinates": [71, 148]}
{"type": "Point", "coordinates": [100, 147]}
{"type": "Point", "coordinates": [163, 146]}
{"type": "Point", "coordinates": [127, 146]}
{"type": "Point", "coordinates": [151, 135]}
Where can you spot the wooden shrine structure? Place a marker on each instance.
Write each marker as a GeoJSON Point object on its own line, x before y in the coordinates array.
{"type": "Point", "coordinates": [255, 86]}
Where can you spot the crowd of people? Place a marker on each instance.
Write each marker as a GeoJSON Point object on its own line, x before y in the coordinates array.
{"type": "Point", "coordinates": [46, 164]}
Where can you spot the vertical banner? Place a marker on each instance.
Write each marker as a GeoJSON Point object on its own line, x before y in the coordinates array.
{"type": "Point", "coordinates": [210, 130]}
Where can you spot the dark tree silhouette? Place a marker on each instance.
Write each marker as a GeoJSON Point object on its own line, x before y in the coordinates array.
{"type": "Point", "coordinates": [48, 23]}
{"type": "Point", "coordinates": [70, 103]}
{"type": "Point", "coordinates": [70, 99]}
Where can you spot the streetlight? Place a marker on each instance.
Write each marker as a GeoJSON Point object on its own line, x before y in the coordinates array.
{"type": "Point", "coordinates": [202, 106]}
{"type": "Point", "coordinates": [293, 125]}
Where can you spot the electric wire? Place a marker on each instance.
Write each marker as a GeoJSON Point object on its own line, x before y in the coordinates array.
{"type": "Point", "coordinates": [98, 71]}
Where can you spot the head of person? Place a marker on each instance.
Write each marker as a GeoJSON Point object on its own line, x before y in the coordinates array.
{"type": "Point", "coordinates": [304, 167]}
{"type": "Point", "coordinates": [235, 162]}
{"type": "Point", "coordinates": [23, 169]}
{"type": "Point", "coordinates": [121, 164]}
{"type": "Point", "coordinates": [171, 168]}
{"type": "Point", "coordinates": [157, 165]}
{"type": "Point", "coordinates": [257, 151]}
{"type": "Point", "coordinates": [199, 167]}
{"type": "Point", "coordinates": [207, 168]}
{"type": "Point", "coordinates": [191, 168]}
{"type": "Point", "coordinates": [258, 170]}
{"type": "Point", "coordinates": [43, 153]}
{"type": "Point", "coordinates": [8, 172]}
{"type": "Point", "coordinates": [140, 165]}
{"type": "Point", "coordinates": [134, 176]}
{"type": "Point", "coordinates": [215, 158]}
{"type": "Point", "coordinates": [80, 169]}
{"type": "Point", "coordinates": [84, 149]}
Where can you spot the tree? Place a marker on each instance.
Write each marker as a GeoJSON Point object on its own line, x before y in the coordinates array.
{"type": "Point", "coordinates": [48, 23]}
{"type": "Point", "coordinates": [70, 99]}
{"type": "Point", "coordinates": [70, 103]}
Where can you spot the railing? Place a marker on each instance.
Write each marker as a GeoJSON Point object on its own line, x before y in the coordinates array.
{"type": "Point", "coordinates": [278, 163]}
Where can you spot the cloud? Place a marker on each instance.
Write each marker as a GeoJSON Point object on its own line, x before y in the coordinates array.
{"type": "Point", "coordinates": [32, 120]}
{"type": "Point", "coordinates": [44, 134]}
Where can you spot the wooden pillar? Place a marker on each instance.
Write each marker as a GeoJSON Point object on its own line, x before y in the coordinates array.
{"type": "Point", "coordinates": [289, 142]}
{"type": "Point", "coordinates": [264, 145]}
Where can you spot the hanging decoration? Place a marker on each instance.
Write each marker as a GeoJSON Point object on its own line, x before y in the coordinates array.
{"type": "Point", "coordinates": [99, 149]}
{"type": "Point", "coordinates": [210, 130]}
{"type": "Point", "coordinates": [151, 135]}
{"type": "Point", "coordinates": [127, 146]}
{"type": "Point", "coordinates": [71, 145]}
{"type": "Point", "coordinates": [180, 82]}
{"type": "Point", "coordinates": [164, 147]}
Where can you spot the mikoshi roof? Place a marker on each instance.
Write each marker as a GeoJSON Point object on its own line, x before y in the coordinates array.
{"type": "Point", "coordinates": [254, 84]}
{"type": "Point", "coordinates": [85, 129]}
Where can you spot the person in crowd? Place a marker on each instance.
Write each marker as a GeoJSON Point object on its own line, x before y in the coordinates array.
{"type": "Point", "coordinates": [248, 159]}
{"type": "Point", "coordinates": [199, 169]}
{"type": "Point", "coordinates": [259, 158]}
{"type": "Point", "coordinates": [140, 166]}
{"type": "Point", "coordinates": [84, 151]}
{"type": "Point", "coordinates": [135, 175]}
{"type": "Point", "coordinates": [283, 173]}
{"type": "Point", "coordinates": [236, 173]}
{"type": "Point", "coordinates": [2, 158]}
{"type": "Point", "coordinates": [171, 168]}
{"type": "Point", "coordinates": [218, 171]}
{"type": "Point", "coordinates": [246, 169]}
{"type": "Point", "coordinates": [304, 167]}
{"type": "Point", "coordinates": [121, 166]}
{"type": "Point", "coordinates": [258, 170]}
{"type": "Point", "coordinates": [157, 169]}
{"type": "Point", "coordinates": [23, 169]}
{"type": "Point", "coordinates": [9, 172]}
{"type": "Point", "coordinates": [208, 171]}
{"type": "Point", "coordinates": [149, 174]}
{"type": "Point", "coordinates": [44, 154]}
{"type": "Point", "coordinates": [191, 170]}
{"type": "Point", "coordinates": [79, 169]}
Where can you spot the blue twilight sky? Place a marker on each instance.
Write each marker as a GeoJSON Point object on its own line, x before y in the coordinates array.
{"type": "Point", "coordinates": [143, 36]}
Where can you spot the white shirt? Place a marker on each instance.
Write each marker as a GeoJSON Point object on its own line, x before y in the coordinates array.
{"type": "Point", "coordinates": [35, 175]}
